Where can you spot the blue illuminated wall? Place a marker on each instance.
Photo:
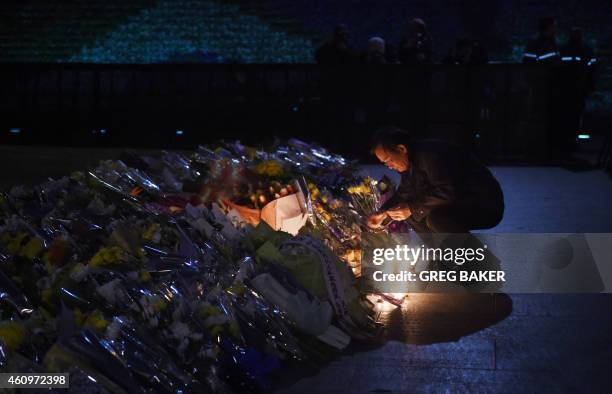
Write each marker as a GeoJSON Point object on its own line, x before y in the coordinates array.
{"type": "Point", "coordinates": [147, 31]}
{"type": "Point", "coordinates": [277, 31]}
{"type": "Point", "coordinates": [196, 31]}
{"type": "Point", "coordinates": [152, 31]}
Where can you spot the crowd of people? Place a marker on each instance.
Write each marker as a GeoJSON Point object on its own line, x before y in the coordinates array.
{"type": "Point", "coordinates": [570, 86]}
{"type": "Point", "coordinates": [416, 47]}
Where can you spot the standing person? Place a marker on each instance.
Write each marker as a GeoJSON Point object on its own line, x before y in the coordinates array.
{"type": "Point", "coordinates": [391, 54]}
{"type": "Point", "coordinates": [543, 49]}
{"type": "Point", "coordinates": [338, 87]}
{"type": "Point", "coordinates": [461, 54]}
{"type": "Point", "coordinates": [416, 46]}
{"type": "Point", "coordinates": [479, 53]}
{"type": "Point", "coordinates": [576, 50]}
{"type": "Point", "coordinates": [466, 52]}
{"type": "Point", "coordinates": [579, 53]}
{"type": "Point", "coordinates": [443, 188]}
{"type": "Point", "coordinates": [577, 82]}
{"type": "Point", "coordinates": [375, 54]}
{"type": "Point", "coordinates": [337, 50]}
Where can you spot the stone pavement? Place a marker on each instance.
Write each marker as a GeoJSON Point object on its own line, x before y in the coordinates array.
{"type": "Point", "coordinates": [478, 343]}
{"type": "Point", "coordinates": [534, 343]}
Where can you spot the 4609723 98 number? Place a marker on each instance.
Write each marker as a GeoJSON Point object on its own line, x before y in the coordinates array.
{"type": "Point", "coordinates": [34, 380]}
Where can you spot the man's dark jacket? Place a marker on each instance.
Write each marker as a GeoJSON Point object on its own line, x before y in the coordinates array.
{"type": "Point", "coordinates": [443, 174]}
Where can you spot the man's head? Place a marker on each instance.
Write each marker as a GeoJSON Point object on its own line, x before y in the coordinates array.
{"type": "Point", "coordinates": [376, 46]}
{"type": "Point", "coordinates": [575, 37]}
{"type": "Point", "coordinates": [463, 50]}
{"type": "Point", "coordinates": [417, 27]}
{"type": "Point", "coordinates": [341, 34]}
{"type": "Point", "coordinates": [390, 147]}
{"type": "Point", "coordinates": [547, 28]}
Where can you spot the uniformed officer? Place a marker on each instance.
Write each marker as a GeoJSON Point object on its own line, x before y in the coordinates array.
{"type": "Point", "coordinates": [544, 48]}
{"type": "Point", "coordinates": [576, 81]}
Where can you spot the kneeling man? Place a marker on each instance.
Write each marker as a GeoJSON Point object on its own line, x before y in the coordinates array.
{"type": "Point", "coordinates": [443, 188]}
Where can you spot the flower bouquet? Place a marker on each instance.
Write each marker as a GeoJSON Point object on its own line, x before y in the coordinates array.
{"type": "Point", "coordinates": [167, 271]}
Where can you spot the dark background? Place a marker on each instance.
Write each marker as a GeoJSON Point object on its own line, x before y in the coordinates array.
{"type": "Point", "coordinates": [77, 77]}
{"type": "Point", "coordinates": [500, 110]}
{"type": "Point", "coordinates": [117, 73]}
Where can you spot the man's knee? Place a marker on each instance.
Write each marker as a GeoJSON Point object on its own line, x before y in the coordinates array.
{"type": "Point", "coordinates": [441, 220]}
{"type": "Point", "coordinates": [432, 220]}
{"type": "Point", "coordinates": [461, 219]}
{"type": "Point", "coordinates": [498, 215]}
{"type": "Point", "coordinates": [491, 216]}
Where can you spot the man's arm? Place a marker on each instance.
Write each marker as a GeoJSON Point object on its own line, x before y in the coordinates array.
{"type": "Point", "coordinates": [391, 202]}
{"type": "Point", "coordinates": [442, 188]}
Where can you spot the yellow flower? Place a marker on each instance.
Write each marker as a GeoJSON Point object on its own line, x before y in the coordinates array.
{"type": "Point", "coordinates": [14, 245]}
{"type": "Point", "coordinates": [353, 189]}
{"type": "Point", "coordinates": [50, 268]}
{"type": "Point", "coordinates": [79, 317]}
{"type": "Point", "coordinates": [236, 289]}
{"type": "Point", "coordinates": [77, 176]}
{"type": "Point", "coordinates": [334, 204]}
{"type": "Point", "coordinates": [150, 232]}
{"type": "Point", "coordinates": [13, 334]}
{"type": "Point", "coordinates": [159, 305]}
{"type": "Point", "coordinates": [107, 256]}
{"type": "Point", "coordinates": [145, 276]}
{"type": "Point", "coordinates": [47, 296]}
{"type": "Point", "coordinates": [270, 168]}
{"type": "Point", "coordinates": [207, 309]}
{"type": "Point", "coordinates": [32, 248]}
{"type": "Point", "coordinates": [362, 188]}
{"type": "Point", "coordinates": [251, 152]}
{"type": "Point", "coordinates": [215, 331]}
{"type": "Point", "coordinates": [96, 322]}
{"type": "Point", "coordinates": [5, 238]}
{"type": "Point", "coordinates": [234, 329]}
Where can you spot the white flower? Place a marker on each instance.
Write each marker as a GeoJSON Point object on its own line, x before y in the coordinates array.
{"type": "Point", "coordinates": [79, 273]}
{"type": "Point", "coordinates": [112, 331]}
{"type": "Point", "coordinates": [216, 320]}
{"type": "Point", "coordinates": [109, 291]}
{"type": "Point", "coordinates": [180, 330]}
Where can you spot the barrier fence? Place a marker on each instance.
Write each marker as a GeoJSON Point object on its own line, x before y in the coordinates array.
{"type": "Point", "coordinates": [503, 111]}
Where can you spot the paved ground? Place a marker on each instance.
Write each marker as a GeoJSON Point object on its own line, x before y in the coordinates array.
{"type": "Point", "coordinates": [479, 343]}
{"type": "Point", "coordinates": [457, 343]}
{"type": "Point", "coordinates": [502, 343]}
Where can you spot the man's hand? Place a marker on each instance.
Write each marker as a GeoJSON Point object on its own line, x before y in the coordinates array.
{"type": "Point", "coordinates": [400, 212]}
{"type": "Point", "coordinates": [375, 220]}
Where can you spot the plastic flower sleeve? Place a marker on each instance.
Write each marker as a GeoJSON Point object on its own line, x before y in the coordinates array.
{"type": "Point", "coordinates": [134, 271]}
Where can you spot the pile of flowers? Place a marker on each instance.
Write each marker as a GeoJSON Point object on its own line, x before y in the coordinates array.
{"type": "Point", "coordinates": [155, 273]}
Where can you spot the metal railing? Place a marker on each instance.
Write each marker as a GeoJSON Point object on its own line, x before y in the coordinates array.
{"type": "Point", "coordinates": [502, 109]}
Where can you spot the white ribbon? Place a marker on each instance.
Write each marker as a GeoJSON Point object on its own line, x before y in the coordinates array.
{"type": "Point", "coordinates": [332, 279]}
